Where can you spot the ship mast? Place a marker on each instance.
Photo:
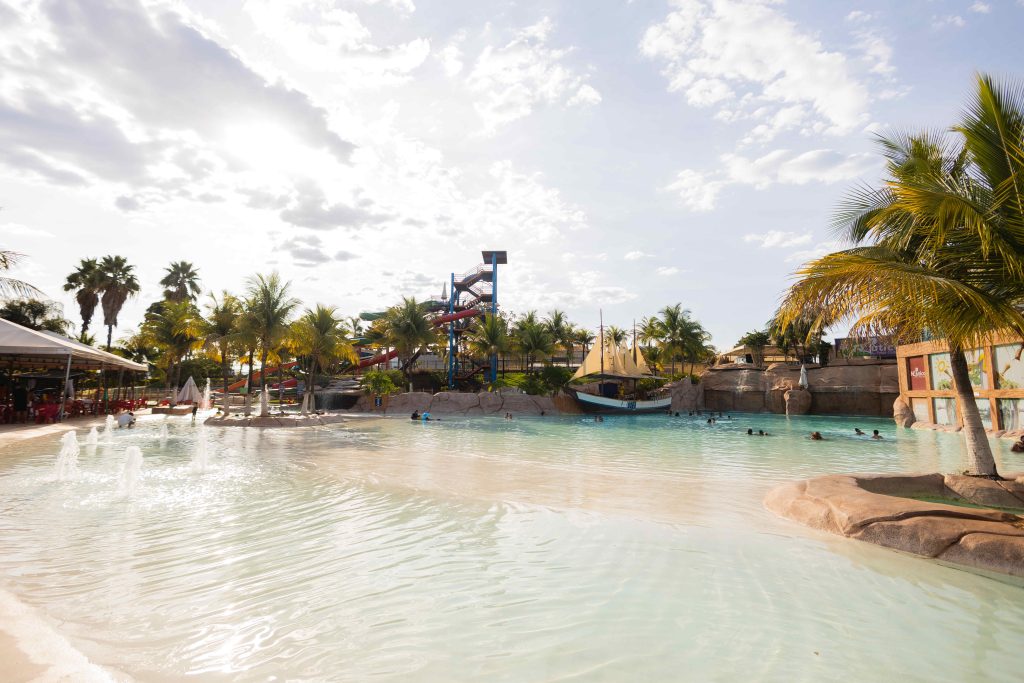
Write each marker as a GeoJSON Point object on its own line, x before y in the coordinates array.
{"type": "Point", "coordinates": [601, 313]}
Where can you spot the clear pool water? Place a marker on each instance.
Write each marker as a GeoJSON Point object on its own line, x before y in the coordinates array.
{"type": "Point", "coordinates": [551, 549]}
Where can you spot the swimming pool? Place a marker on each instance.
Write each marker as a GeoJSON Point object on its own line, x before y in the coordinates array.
{"type": "Point", "coordinates": [480, 549]}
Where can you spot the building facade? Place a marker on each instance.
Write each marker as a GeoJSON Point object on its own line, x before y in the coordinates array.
{"type": "Point", "coordinates": [997, 377]}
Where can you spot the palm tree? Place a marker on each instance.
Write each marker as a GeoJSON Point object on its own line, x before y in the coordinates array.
{"type": "Point", "coordinates": [615, 336]}
{"type": "Point", "coordinates": [36, 314]}
{"type": "Point", "coordinates": [319, 337]}
{"type": "Point", "coordinates": [87, 283]}
{"type": "Point", "coordinates": [181, 282]}
{"type": "Point", "coordinates": [584, 338]}
{"type": "Point", "coordinates": [534, 340]}
{"type": "Point", "coordinates": [488, 337]}
{"type": "Point", "coordinates": [558, 328]}
{"type": "Point", "coordinates": [174, 331]}
{"type": "Point", "coordinates": [940, 247]}
{"type": "Point", "coordinates": [118, 282]}
{"type": "Point", "coordinates": [409, 331]}
{"type": "Point", "coordinates": [756, 341]}
{"type": "Point", "coordinates": [10, 286]}
{"type": "Point", "coordinates": [270, 307]}
{"type": "Point", "coordinates": [218, 331]}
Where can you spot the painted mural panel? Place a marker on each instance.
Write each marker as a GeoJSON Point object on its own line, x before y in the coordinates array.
{"type": "Point", "coordinates": [942, 376]}
{"type": "Point", "coordinates": [1009, 371]}
{"type": "Point", "coordinates": [976, 366]}
{"type": "Point", "coordinates": [920, 408]}
{"type": "Point", "coordinates": [916, 374]}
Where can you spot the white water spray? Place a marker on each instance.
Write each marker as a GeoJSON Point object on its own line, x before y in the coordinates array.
{"type": "Point", "coordinates": [108, 428]}
{"type": "Point", "coordinates": [130, 474]}
{"type": "Point", "coordinates": [93, 437]}
{"type": "Point", "coordinates": [206, 404]}
{"type": "Point", "coordinates": [201, 455]}
{"type": "Point", "coordinates": [163, 434]}
{"type": "Point", "coordinates": [264, 404]}
{"type": "Point", "coordinates": [67, 460]}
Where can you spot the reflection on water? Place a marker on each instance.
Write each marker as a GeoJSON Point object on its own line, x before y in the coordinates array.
{"type": "Point", "coordinates": [538, 550]}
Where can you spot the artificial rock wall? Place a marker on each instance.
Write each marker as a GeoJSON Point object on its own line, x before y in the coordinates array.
{"type": "Point", "coordinates": [853, 388]}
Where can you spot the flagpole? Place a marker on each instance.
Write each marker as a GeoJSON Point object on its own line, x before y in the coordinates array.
{"type": "Point", "coordinates": [601, 313]}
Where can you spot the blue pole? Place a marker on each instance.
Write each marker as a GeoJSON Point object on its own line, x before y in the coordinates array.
{"type": "Point", "coordinates": [494, 310]}
{"type": "Point", "coordinates": [451, 336]}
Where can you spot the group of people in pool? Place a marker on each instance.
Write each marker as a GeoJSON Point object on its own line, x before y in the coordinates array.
{"type": "Point", "coordinates": [816, 436]}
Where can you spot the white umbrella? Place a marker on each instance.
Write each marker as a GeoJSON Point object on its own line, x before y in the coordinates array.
{"type": "Point", "coordinates": [190, 392]}
{"type": "Point", "coordinates": [803, 376]}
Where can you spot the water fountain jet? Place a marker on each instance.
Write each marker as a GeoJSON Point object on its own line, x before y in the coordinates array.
{"type": "Point", "coordinates": [67, 460]}
{"type": "Point", "coordinates": [129, 479]}
{"type": "Point", "coordinates": [108, 429]}
{"type": "Point", "coordinates": [206, 404]}
{"type": "Point", "coordinates": [201, 456]}
{"type": "Point", "coordinates": [93, 437]}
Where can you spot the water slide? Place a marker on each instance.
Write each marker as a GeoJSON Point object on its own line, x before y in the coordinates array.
{"type": "Point", "coordinates": [256, 376]}
{"type": "Point", "coordinates": [440, 320]}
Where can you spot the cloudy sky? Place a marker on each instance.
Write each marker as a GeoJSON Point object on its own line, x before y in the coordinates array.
{"type": "Point", "coordinates": [628, 154]}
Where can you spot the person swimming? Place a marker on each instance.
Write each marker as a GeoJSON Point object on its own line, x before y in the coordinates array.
{"type": "Point", "coordinates": [816, 436]}
{"type": "Point", "coordinates": [750, 432]}
{"type": "Point", "coordinates": [858, 432]}
{"type": "Point", "coordinates": [415, 415]}
{"type": "Point", "coordinates": [875, 435]}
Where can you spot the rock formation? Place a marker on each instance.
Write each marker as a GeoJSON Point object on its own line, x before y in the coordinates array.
{"type": "Point", "coordinates": [798, 401]}
{"type": "Point", "coordinates": [903, 414]}
{"type": "Point", "coordinates": [882, 509]}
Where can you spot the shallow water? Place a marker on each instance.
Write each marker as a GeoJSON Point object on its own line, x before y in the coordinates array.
{"type": "Point", "coordinates": [553, 549]}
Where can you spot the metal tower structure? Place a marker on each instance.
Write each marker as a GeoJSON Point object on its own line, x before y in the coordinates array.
{"type": "Point", "coordinates": [480, 285]}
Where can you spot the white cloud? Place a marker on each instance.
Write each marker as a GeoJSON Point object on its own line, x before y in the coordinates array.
{"type": "Point", "coordinates": [778, 238]}
{"type": "Point", "coordinates": [21, 230]}
{"type": "Point", "coordinates": [857, 16]}
{"type": "Point", "coordinates": [746, 57]}
{"type": "Point", "coordinates": [636, 255]}
{"type": "Point", "coordinates": [699, 191]}
{"type": "Point", "coordinates": [817, 251]}
{"type": "Point", "coordinates": [586, 95]}
{"type": "Point", "coordinates": [451, 58]}
{"type": "Point", "coordinates": [322, 36]}
{"type": "Point", "coordinates": [510, 81]}
{"type": "Point", "coordinates": [948, 21]}
{"type": "Point", "coordinates": [665, 271]}
{"type": "Point", "coordinates": [981, 7]}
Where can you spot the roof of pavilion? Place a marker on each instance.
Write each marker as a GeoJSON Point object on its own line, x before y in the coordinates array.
{"type": "Point", "coordinates": [25, 348]}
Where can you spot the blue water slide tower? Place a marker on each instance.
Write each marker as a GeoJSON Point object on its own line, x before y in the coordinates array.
{"type": "Point", "coordinates": [480, 287]}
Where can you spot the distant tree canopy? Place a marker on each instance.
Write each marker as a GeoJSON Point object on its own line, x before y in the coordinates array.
{"type": "Point", "coordinates": [36, 314]}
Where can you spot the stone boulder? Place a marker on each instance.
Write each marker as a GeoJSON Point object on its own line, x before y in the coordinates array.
{"type": "Point", "coordinates": [687, 396]}
{"type": "Point", "coordinates": [490, 403]}
{"type": "Point", "coordinates": [521, 404]}
{"type": "Point", "coordinates": [408, 402]}
{"type": "Point", "coordinates": [882, 509]}
{"type": "Point", "coordinates": [798, 401]}
{"type": "Point", "coordinates": [903, 413]}
{"type": "Point", "coordinates": [454, 403]}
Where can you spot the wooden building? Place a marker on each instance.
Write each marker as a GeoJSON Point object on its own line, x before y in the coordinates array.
{"type": "Point", "coordinates": [997, 376]}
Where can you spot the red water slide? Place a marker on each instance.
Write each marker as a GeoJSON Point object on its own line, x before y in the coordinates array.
{"type": "Point", "coordinates": [440, 320]}
{"type": "Point", "coordinates": [256, 376]}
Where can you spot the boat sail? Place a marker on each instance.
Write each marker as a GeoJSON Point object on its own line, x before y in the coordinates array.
{"type": "Point", "coordinates": [606, 361]}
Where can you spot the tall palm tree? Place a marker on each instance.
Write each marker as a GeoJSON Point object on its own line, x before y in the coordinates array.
{"type": "Point", "coordinates": [534, 340]}
{"type": "Point", "coordinates": [409, 331]}
{"type": "Point", "coordinates": [219, 329]}
{"type": "Point", "coordinates": [9, 286]}
{"type": "Point", "coordinates": [175, 332]}
{"type": "Point", "coordinates": [181, 282]}
{"type": "Point", "coordinates": [270, 306]}
{"type": "Point", "coordinates": [319, 337]}
{"type": "Point", "coordinates": [940, 247]}
{"type": "Point", "coordinates": [488, 337]}
{"type": "Point", "coordinates": [615, 336]}
{"type": "Point", "coordinates": [558, 328]}
{"type": "Point", "coordinates": [117, 284]}
{"type": "Point", "coordinates": [584, 338]}
{"type": "Point", "coordinates": [87, 283]}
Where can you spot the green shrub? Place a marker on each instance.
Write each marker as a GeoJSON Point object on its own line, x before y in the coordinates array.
{"type": "Point", "coordinates": [379, 383]}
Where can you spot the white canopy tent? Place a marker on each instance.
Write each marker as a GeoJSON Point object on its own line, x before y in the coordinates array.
{"type": "Point", "coordinates": [24, 348]}
{"type": "Point", "coordinates": [190, 392]}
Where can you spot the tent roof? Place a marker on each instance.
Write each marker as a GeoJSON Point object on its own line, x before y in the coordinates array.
{"type": "Point", "coordinates": [36, 349]}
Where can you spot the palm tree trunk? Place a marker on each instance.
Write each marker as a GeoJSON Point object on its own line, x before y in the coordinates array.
{"type": "Point", "coordinates": [110, 333]}
{"type": "Point", "coordinates": [170, 381]}
{"type": "Point", "coordinates": [224, 371]}
{"type": "Point", "coordinates": [980, 462]}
